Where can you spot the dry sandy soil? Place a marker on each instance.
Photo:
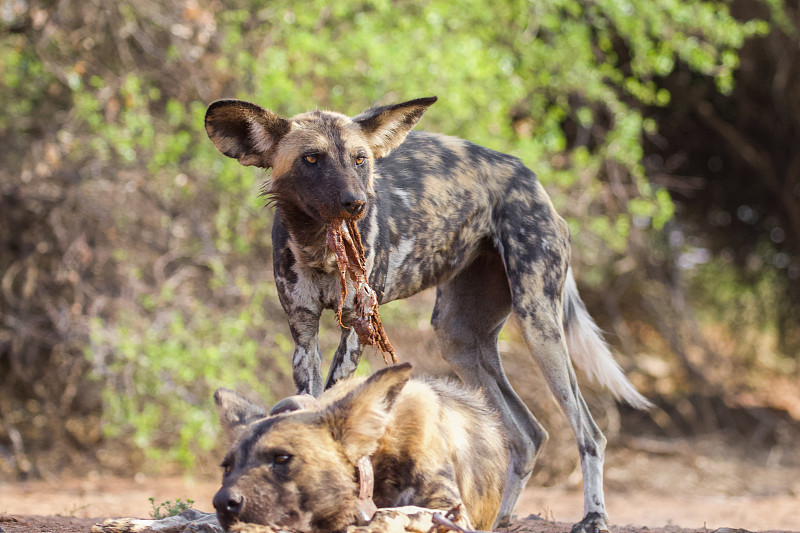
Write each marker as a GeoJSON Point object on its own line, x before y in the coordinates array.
{"type": "Point", "coordinates": [677, 492]}
{"type": "Point", "coordinates": [55, 524]}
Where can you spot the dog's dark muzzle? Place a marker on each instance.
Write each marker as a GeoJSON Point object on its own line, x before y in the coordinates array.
{"type": "Point", "coordinates": [353, 204]}
{"type": "Point", "coordinates": [229, 504]}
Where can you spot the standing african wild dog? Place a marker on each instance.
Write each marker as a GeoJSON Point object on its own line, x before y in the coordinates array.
{"type": "Point", "coordinates": [432, 211]}
{"type": "Point", "coordinates": [432, 443]}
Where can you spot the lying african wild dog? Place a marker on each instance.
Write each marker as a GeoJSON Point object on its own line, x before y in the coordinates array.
{"type": "Point", "coordinates": [432, 211]}
{"type": "Point", "coordinates": [432, 444]}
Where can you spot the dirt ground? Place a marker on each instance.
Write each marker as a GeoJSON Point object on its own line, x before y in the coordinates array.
{"type": "Point", "coordinates": [56, 524]}
{"type": "Point", "coordinates": [686, 487]}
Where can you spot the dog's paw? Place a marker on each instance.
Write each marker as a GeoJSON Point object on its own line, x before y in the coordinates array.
{"type": "Point", "coordinates": [591, 523]}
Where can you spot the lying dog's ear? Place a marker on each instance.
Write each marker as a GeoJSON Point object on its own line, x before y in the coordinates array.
{"type": "Point", "coordinates": [359, 419]}
{"type": "Point", "coordinates": [298, 402]}
{"type": "Point", "coordinates": [235, 412]}
{"type": "Point", "coordinates": [245, 131]}
{"type": "Point", "coordinates": [386, 127]}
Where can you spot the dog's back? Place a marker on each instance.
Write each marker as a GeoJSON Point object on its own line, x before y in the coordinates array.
{"type": "Point", "coordinates": [441, 437]}
{"type": "Point", "coordinates": [457, 423]}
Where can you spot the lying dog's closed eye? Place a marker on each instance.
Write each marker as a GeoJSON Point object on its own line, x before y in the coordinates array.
{"type": "Point", "coordinates": [432, 444]}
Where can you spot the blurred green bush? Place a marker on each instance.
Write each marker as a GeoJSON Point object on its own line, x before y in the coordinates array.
{"type": "Point", "coordinates": [103, 146]}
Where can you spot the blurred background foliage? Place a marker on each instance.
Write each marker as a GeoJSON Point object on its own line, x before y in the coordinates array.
{"type": "Point", "coordinates": [135, 260]}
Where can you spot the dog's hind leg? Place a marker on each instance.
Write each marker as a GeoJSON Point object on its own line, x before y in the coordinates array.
{"type": "Point", "coordinates": [552, 356]}
{"type": "Point", "coordinates": [470, 311]}
{"type": "Point", "coordinates": [536, 252]}
{"type": "Point", "coordinates": [545, 338]}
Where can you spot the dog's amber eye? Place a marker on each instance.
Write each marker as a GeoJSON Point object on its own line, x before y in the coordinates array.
{"type": "Point", "coordinates": [360, 160]}
{"type": "Point", "coordinates": [311, 159]}
{"type": "Point", "coordinates": [281, 458]}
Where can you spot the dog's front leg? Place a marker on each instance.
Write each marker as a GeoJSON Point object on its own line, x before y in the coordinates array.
{"type": "Point", "coordinates": [346, 359]}
{"type": "Point", "coordinates": [307, 358]}
{"type": "Point", "coordinates": [301, 300]}
{"type": "Point", "coordinates": [303, 312]}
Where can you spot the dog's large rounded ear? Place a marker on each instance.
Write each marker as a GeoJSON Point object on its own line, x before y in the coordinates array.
{"type": "Point", "coordinates": [386, 127]}
{"type": "Point", "coordinates": [360, 419]}
{"type": "Point", "coordinates": [236, 412]}
{"type": "Point", "coordinates": [245, 131]}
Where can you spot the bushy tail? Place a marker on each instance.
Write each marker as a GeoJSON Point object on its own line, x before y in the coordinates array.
{"type": "Point", "coordinates": [590, 352]}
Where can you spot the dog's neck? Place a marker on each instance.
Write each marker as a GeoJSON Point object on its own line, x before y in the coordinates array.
{"type": "Point", "coordinates": [306, 237]}
{"type": "Point", "coordinates": [304, 229]}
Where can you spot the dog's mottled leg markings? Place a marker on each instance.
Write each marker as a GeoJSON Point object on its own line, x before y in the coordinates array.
{"type": "Point", "coordinates": [591, 523]}
{"type": "Point", "coordinates": [299, 297]}
{"type": "Point", "coordinates": [307, 358]}
{"type": "Point", "coordinates": [345, 360]}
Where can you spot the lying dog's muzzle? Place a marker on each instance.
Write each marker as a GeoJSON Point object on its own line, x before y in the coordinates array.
{"type": "Point", "coordinates": [228, 504]}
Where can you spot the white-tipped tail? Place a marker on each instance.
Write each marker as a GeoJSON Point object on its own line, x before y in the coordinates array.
{"type": "Point", "coordinates": [590, 352]}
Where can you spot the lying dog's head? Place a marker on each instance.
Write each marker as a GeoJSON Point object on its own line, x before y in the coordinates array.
{"type": "Point", "coordinates": [297, 469]}
{"type": "Point", "coordinates": [321, 161]}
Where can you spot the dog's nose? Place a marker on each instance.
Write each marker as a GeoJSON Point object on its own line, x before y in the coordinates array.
{"type": "Point", "coordinates": [353, 203]}
{"type": "Point", "coordinates": [228, 502]}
